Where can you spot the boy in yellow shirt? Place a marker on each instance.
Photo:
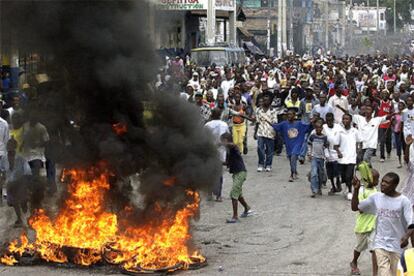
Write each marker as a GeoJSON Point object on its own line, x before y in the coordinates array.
{"type": "Point", "coordinates": [365, 226]}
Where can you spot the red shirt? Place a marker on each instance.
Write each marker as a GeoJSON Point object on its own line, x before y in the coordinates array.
{"type": "Point", "coordinates": [385, 108]}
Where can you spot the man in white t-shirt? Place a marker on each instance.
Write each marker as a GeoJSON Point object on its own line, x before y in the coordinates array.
{"type": "Point", "coordinates": [322, 108]}
{"type": "Point", "coordinates": [217, 127]}
{"type": "Point", "coordinates": [408, 118]}
{"type": "Point", "coordinates": [35, 137]}
{"type": "Point", "coordinates": [227, 84]}
{"type": "Point", "coordinates": [4, 138]}
{"type": "Point", "coordinates": [394, 221]}
{"type": "Point", "coordinates": [338, 103]}
{"type": "Point", "coordinates": [331, 130]}
{"type": "Point", "coordinates": [368, 131]}
{"type": "Point", "coordinates": [346, 148]}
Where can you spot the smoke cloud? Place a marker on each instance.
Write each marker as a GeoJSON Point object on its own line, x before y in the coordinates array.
{"type": "Point", "coordinates": [101, 60]}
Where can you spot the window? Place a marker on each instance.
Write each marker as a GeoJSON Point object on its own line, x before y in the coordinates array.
{"type": "Point", "coordinates": [382, 16]}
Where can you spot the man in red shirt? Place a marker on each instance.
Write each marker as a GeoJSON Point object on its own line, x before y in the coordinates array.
{"type": "Point", "coordinates": [384, 131]}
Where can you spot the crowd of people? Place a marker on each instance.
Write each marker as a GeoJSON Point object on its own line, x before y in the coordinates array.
{"type": "Point", "coordinates": [335, 112]}
{"type": "Point", "coordinates": [27, 167]}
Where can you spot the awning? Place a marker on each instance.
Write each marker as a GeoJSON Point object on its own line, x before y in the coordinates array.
{"type": "Point", "coordinates": [252, 48]}
{"type": "Point", "coordinates": [245, 32]}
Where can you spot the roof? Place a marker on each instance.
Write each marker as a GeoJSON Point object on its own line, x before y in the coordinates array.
{"type": "Point", "coordinates": [245, 32]}
{"type": "Point", "coordinates": [240, 14]}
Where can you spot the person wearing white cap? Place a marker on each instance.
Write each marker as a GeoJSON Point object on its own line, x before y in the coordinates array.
{"type": "Point", "coordinates": [195, 82]}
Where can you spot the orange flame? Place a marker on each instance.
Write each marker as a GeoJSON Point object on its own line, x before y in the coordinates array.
{"type": "Point", "coordinates": [120, 128]}
{"type": "Point", "coordinates": [93, 233]}
{"type": "Point", "coordinates": [169, 182]}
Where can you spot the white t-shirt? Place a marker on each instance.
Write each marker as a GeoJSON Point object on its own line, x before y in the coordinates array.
{"type": "Point", "coordinates": [333, 136]}
{"type": "Point", "coordinates": [359, 85]}
{"type": "Point", "coordinates": [408, 120]}
{"type": "Point", "coordinates": [4, 136]}
{"type": "Point", "coordinates": [225, 86]}
{"type": "Point", "coordinates": [195, 84]}
{"type": "Point", "coordinates": [215, 92]}
{"type": "Point", "coordinates": [321, 110]}
{"type": "Point", "coordinates": [342, 102]}
{"type": "Point", "coordinates": [347, 140]}
{"type": "Point", "coordinates": [394, 215]}
{"type": "Point", "coordinates": [368, 131]}
{"type": "Point", "coordinates": [33, 139]}
{"type": "Point", "coordinates": [218, 128]}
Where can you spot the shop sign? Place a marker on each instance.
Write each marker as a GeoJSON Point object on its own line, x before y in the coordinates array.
{"type": "Point", "coordinates": [182, 4]}
{"type": "Point", "coordinates": [225, 5]}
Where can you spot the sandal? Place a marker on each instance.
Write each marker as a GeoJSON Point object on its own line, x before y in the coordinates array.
{"type": "Point", "coordinates": [355, 270]}
{"type": "Point", "coordinates": [291, 179]}
{"type": "Point", "coordinates": [232, 220]}
{"type": "Point", "coordinates": [247, 214]}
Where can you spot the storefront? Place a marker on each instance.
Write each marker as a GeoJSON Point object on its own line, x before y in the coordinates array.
{"type": "Point", "coordinates": [186, 24]}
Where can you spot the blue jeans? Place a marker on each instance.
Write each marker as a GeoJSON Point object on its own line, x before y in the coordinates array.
{"type": "Point", "coordinates": [265, 151]}
{"type": "Point", "coordinates": [398, 142]}
{"type": "Point", "coordinates": [317, 170]}
{"type": "Point", "coordinates": [304, 148]}
{"type": "Point", "coordinates": [368, 153]}
{"type": "Point", "coordinates": [293, 163]}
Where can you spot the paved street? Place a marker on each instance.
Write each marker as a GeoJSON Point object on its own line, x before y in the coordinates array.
{"type": "Point", "coordinates": [291, 234]}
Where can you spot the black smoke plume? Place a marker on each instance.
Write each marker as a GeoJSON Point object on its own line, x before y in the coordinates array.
{"type": "Point", "coordinates": [101, 62]}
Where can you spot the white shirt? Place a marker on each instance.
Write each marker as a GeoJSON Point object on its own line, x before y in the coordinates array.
{"type": "Point", "coordinates": [33, 138]}
{"type": "Point", "coordinates": [195, 84]}
{"type": "Point", "coordinates": [348, 138]}
{"type": "Point", "coordinates": [225, 86]}
{"type": "Point", "coordinates": [321, 110]}
{"type": "Point", "coordinates": [368, 131]}
{"type": "Point", "coordinates": [359, 85]}
{"type": "Point", "coordinates": [408, 122]}
{"type": "Point", "coordinates": [215, 92]}
{"type": "Point", "coordinates": [394, 214]}
{"type": "Point", "coordinates": [332, 135]}
{"type": "Point", "coordinates": [342, 102]}
{"type": "Point", "coordinates": [218, 128]}
{"type": "Point", "coordinates": [395, 104]}
{"type": "Point", "coordinates": [4, 137]}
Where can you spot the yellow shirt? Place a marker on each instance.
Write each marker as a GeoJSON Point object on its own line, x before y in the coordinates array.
{"type": "Point", "coordinates": [17, 135]}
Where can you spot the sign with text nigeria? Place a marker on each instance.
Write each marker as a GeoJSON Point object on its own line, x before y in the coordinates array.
{"type": "Point", "coordinates": [182, 4]}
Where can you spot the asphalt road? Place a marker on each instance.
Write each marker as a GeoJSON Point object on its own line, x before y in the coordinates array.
{"type": "Point", "coordinates": [290, 234]}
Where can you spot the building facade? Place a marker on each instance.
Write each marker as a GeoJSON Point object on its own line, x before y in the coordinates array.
{"type": "Point", "coordinates": [186, 24]}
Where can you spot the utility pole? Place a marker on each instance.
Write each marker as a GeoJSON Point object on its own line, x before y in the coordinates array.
{"type": "Point", "coordinates": [351, 27]}
{"type": "Point", "coordinates": [326, 25]}
{"type": "Point", "coordinates": [279, 28]}
{"type": "Point", "coordinates": [395, 17]}
{"type": "Point", "coordinates": [1, 35]}
{"type": "Point", "coordinates": [291, 47]}
{"type": "Point", "coordinates": [284, 38]}
{"type": "Point", "coordinates": [378, 27]}
{"type": "Point", "coordinates": [268, 27]}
